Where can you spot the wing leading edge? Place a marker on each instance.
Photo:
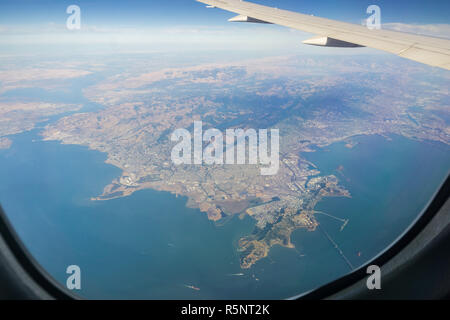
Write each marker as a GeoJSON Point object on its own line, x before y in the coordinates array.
{"type": "Point", "coordinates": [428, 50]}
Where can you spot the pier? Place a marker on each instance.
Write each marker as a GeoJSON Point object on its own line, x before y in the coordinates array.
{"type": "Point", "coordinates": [338, 249]}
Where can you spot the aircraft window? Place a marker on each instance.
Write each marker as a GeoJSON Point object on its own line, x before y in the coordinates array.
{"type": "Point", "coordinates": [149, 161]}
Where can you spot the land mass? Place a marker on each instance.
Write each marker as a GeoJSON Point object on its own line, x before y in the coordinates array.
{"type": "Point", "coordinates": [311, 104]}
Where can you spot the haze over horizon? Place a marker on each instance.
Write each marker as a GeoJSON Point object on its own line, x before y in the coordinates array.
{"type": "Point", "coordinates": [146, 26]}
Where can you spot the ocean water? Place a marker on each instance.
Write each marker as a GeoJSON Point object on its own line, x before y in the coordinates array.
{"type": "Point", "coordinates": [391, 180]}
{"type": "Point", "coordinates": [149, 245]}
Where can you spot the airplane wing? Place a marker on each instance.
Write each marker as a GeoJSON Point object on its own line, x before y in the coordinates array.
{"type": "Point", "coordinates": [332, 33]}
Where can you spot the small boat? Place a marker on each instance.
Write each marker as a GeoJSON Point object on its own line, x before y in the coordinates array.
{"type": "Point", "coordinates": [192, 287]}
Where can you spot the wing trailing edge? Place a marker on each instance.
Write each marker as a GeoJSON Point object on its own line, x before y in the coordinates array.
{"type": "Point", "coordinates": [331, 33]}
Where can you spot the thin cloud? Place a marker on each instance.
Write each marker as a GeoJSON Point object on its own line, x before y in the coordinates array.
{"type": "Point", "coordinates": [434, 30]}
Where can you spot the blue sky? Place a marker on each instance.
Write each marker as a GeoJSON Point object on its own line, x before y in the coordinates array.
{"type": "Point", "coordinates": [189, 12]}
{"type": "Point", "coordinates": [186, 24]}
